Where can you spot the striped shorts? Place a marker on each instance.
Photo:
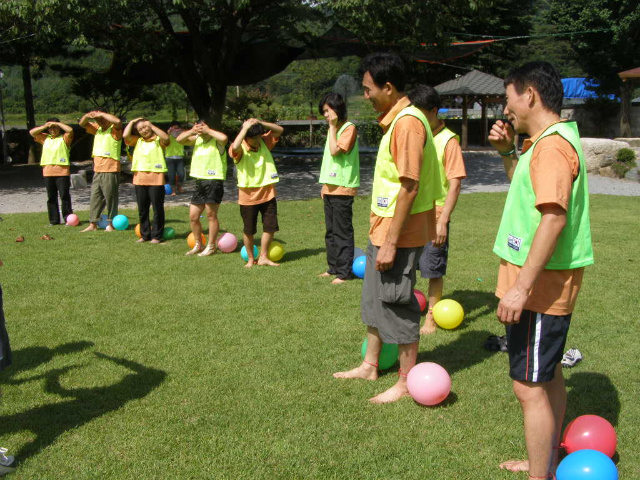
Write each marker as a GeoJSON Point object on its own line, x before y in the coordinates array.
{"type": "Point", "coordinates": [536, 345]}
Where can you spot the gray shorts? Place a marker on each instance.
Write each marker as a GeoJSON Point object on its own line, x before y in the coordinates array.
{"type": "Point", "coordinates": [434, 260]}
{"type": "Point", "coordinates": [388, 302]}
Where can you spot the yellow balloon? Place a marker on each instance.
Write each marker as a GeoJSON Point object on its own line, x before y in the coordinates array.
{"type": "Point", "coordinates": [448, 313]}
{"type": "Point", "coordinates": [138, 231]}
{"type": "Point", "coordinates": [276, 251]}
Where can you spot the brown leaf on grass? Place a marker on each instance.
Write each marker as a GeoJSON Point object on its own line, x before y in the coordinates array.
{"type": "Point", "coordinates": [20, 239]}
{"type": "Point", "coordinates": [46, 237]}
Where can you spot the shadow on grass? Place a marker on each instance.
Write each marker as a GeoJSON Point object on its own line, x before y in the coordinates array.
{"type": "Point", "coordinates": [461, 354]}
{"type": "Point", "coordinates": [299, 254]}
{"type": "Point", "coordinates": [475, 303]}
{"type": "Point", "coordinates": [590, 393]}
{"type": "Point", "coordinates": [82, 405]}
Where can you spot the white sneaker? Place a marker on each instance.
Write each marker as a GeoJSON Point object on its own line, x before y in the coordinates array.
{"type": "Point", "coordinates": [571, 358]}
{"type": "Point", "coordinates": [5, 460]}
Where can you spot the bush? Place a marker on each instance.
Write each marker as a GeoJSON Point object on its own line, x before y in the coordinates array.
{"type": "Point", "coordinates": [626, 155]}
{"type": "Point", "coordinates": [621, 169]}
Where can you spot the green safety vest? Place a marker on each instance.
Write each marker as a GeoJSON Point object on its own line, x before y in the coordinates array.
{"type": "Point", "coordinates": [104, 145]}
{"type": "Point", "coordinates": [206, 161]}
{"type": "Point", "coordinates": [440, 141]}
{"type": "Point", "coordinates": [343, 169]}
{"type": "Point", "coordinates": [256, 169]}
{"type": "Point", "coordinates": [148, 156]}
{"type": "Point", "coordinates": [174, 149]}
{"type": "Point", "coordinates": [55, 151]}
{"type": "Point", "coordinates": [521, 218]}
{"type": "Point", "coordinates": [386, 182]}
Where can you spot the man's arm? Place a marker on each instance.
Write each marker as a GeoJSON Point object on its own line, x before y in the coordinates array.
{"type": "Point", "coordinates": [112, 119]}
{"type": "Point", "coordinates": [554, 218]}
{"type": "Point", "coordinates": [34, 132]}
{"type": "Point", "coordinates": [406, 196]}
{"type": "Point", "coordinates": [276, 129]}
{"type": "Point", "coordinates": [449, 205]}
{"type": "Point", "coordinates": [162, 135]}
{"type": "Point", "coordinates": [128, 130]}
{"type": "Point", "coordinates": [188, 137]}
{"type": "Point", "coordinates": [236, 146]}
{"type": "Point", "coordinates": [502, 138]}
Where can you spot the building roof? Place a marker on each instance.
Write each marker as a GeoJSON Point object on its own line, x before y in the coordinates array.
{"type": "Point", "coordinates": [473, 83]}
{"type": "Point", "coordinates": [633, 73]}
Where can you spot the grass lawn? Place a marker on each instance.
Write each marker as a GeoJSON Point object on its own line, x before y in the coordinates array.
{"type": "Point", "coordinates": [134, 361]}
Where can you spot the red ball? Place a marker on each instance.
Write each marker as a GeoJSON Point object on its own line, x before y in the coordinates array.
{"type": "Point", "coordinates": [422, 300]}
{"type": "Point", "coordinates": [590, 432]}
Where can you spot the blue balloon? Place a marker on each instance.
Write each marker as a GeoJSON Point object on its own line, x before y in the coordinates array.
{"type": "Point", "coordinates": [359, 265]}
{"type": "Point", "coordinates": [120, 222]}
{"type": "Point", "coordinates": [167, 189]}
{"type": "Point", "coordinates": [102, 223]}
{"type": "Point", "coordinates": [245, 257]}
{"type": "Point", "coordinates": [587, 464]}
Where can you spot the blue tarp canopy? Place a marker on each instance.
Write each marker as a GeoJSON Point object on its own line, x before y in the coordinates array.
{"type": "Point", "coordinates": [577, 87]}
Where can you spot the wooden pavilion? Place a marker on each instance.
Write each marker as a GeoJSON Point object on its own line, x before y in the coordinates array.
{"type": "Point", "coordinates": [628, 76]}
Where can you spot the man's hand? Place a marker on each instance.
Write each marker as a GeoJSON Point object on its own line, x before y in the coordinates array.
{"type": "Point", "coordinates": [511, 306]}
{"type": "Point", "coordinates": [502, 136]}
{"type": "Point", "coordinates": [249, 123]}
{"type": "Point", "coordinates": [332, 117]}
{"type": "Point", "coordinates": [386, 257]}
{"type": "Point", "coordinates": [441, 234]}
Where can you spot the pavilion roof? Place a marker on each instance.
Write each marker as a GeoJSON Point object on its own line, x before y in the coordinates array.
{"type": "Point", "coordinates": [633, 73]}
{"type": "Point", "coordinates": [473, 83]}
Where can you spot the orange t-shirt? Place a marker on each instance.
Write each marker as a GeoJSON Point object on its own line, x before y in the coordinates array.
{"type": "Point", "coordinates": [147, 179]}
{"type": "Point", "coordinates": [553, 168]}
{"type": "Point", "coordinates": [407, 144]}
{"type": "Point", "coordinates": [453, 162]}
{"type": "Point", "coordinates": [105, 164]}
{"type": "Point", "coordinates": [55, 170]}
{"type": "Point", "coordinates": [345, 142]}
{"type": "Point", "coordinates": [256, 195]}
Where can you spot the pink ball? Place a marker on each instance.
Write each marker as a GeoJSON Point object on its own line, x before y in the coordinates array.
{"type": "Point", "coordinates": [227, 242]}
{"type": "Point", "coordinates": [428, 383]}
{"type": "Point", "coordinates": [422, 300]}
{"type": "Point", "coordinates": [72, 220]}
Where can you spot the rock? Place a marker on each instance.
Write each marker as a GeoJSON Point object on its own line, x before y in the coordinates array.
{"type": "Point", "coordinates": [633, 142]}
{"type": "Point", "coordinates": [600, 152]}
{"type": "Point", "coordinates": [633, 174]}
{"type": "Point", "coordinates": [607, 172]}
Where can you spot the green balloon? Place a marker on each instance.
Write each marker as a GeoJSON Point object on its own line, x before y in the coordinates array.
{"type": "Point", "coordinates": [168, 233]}
{"type": "Point", "coordinates": [388, 354]}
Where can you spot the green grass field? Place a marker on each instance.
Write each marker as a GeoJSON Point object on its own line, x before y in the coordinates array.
{"type": "Point", "coordinates": [134, 361]}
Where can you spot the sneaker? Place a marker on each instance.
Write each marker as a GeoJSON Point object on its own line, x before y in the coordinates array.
{"type": "Point", "coordinates": [5, 460]}
{"type": "Point", "coordinates": [571, 358]}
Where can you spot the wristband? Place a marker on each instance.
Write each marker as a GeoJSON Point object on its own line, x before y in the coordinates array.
{"type": "Point", "coordinates": [509, 153]}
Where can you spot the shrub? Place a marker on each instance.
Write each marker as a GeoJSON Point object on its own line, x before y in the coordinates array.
{"type": "Point", "coordinates": [626, 155]}
{"type": "Point", "coordinates": [621, 169]}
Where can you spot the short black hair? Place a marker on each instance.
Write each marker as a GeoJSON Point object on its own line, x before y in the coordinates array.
{"type": "Point", "coordinates": [425, 97]}
{"type": "Point", "coordinates": [53, 119]}
{"type": "Point", "coordinates": [336, 103]}
{"type": "Point", "coordinates": [255, 130]}
{"type": "Point", "coordinates": [383, 68]}
{"type": "Point", "coordinates": [544, 78]}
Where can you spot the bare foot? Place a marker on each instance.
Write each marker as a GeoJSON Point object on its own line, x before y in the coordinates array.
{"type": "Point", "coordinates": [515, 465]}
{"type": "Point", "coordinates": [140, 240]}
{"type": "Point", "coordinates": [325, 274]}
{"type": "Point", "coordinates": [267, 262]}
{"type": "Point", "coordinates": [195, 250]}
{"type": "Point", "coordinates": [210, 250]}
{"type": "Point", "coordinates": [429, 325]}
{"type": "Point", "coordinates": [109, 228]}
{"type": "Point", "coordinates": [394, 394]}
{"type": "Point", "coordinates": [172, 194]}
{"type": "Point", "coordinates": [91, 228]}
{"type": "Point", "coordinates": [338, 281]}
{"type": "Point", "coordinates": [364, 371]}
{"type": "Point", "coordinates": [250, 263]}
{"type": "Point", "coordinates": [155, 240]}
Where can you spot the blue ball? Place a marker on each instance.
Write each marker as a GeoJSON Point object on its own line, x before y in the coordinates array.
{"type": "Point", "coordinates": [120, 222]}
{"type": "Point", "coordinates": [587, 464]}
{"type": "Point", "coordinates": [167, 189]}
{"type": "Point", "coordinates": [359, 265]}
{"type": "Point", "coordinates": [245, 257]}
{"type": "Point", "coordinates": [102, 223]}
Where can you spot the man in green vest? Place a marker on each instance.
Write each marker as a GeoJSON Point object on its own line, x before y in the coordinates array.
{"type": "Point", "coordinates": [544, 243]}
{"type": "Point", "coordinates": [405, 186]}
{"type": "Point", "coordinates": [434, 258]}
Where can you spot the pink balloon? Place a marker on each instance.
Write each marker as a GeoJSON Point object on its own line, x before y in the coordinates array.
{"type": "Point", "coordinates": [422, 300]}
{"type": "Point", "coordinates": [428, 383]}
{"type": "Point", "coordinates": [72, 220]}
{"type": "Point", "coordinates": [227, 242]}
{"type": "Point", "coordinates": [590, 432]}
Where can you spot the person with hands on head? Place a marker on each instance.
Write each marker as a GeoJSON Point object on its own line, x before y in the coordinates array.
{"type": "Point", "coordinates": [544, 243]}
{"type": "Point", "coordinates": [174, 156]}
{"type": "Point", "coordinates": [340, 174]}
{"type": "Point", "coordinates": [434, 257]}
{"type": "Point", "coordinates": [406, 185]}
{"type": "Point", "coordinates": [107, 131]}
{"type": "Point", "coordinates": [209, 168]}
{"type": "Point", "coordinates": [148, 167]}
{"type": "Point", "coordinates": [56, 138]}
{"type": "Point", "coordinates": [257, 176]}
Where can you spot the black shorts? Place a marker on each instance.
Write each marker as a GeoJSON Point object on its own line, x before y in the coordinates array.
{"type": "Point", "coordinates": [269, 211]}
{"type": "Point", "coordinates": [433, 261]}
{"type": "Point", "coordinates": [536, 345]}
{"type": "Point", "coordinates": [208, 191]}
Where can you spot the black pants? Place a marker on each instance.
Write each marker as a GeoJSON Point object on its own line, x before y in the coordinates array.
{"type": "Point", "coordinates": [148, 196]}
{"type": "Point", "coordinates": [58, 186]}
{"type": "Point", "coordinates": [5, 348]}
{"type": "Point", "coordinates": [338, 215]}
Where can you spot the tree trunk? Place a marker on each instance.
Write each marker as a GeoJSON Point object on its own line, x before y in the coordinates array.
{"type": "Point", "coordinates": [625, 109]}
{"type": "Point", "coordinates": [28, 90]}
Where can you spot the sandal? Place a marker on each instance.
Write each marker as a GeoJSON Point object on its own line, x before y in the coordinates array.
{"type": "Point", "coordinates": [495, 343]}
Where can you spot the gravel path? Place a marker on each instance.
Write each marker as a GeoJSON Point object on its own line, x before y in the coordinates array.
{"type": "Point", "coordinates": [22, 188]}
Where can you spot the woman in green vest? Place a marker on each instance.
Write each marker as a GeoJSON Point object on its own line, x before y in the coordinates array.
{"type": "Point", "coordinates": [55, 138]}
{"type": "Point", "coordinates": [148, 167]}
{"type": "Point", "coordinates": [174, 156]}
{"type": "Point", "coordinates": [340, 174]}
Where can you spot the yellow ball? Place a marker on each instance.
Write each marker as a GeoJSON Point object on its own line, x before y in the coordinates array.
{"type": "Point", "coordinates": [448, 313]}
{"type": "Point", "coordinates": [276, 251]}
{"type": "Point", "coordinates": [191, 240]}
{"type": "Point", "coordinates": [138, 234]}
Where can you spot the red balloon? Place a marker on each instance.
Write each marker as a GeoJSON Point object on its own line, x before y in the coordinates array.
{"type": "Point", "coordinates": [422, 300]}
{"type": "Point", "coordinates": [590, 432]}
